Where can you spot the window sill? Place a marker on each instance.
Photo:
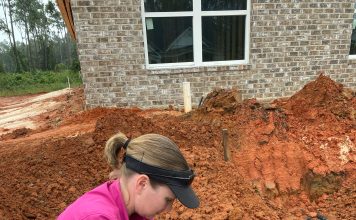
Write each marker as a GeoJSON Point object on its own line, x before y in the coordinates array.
{"type": "Point", "coordinates": [199, 69]}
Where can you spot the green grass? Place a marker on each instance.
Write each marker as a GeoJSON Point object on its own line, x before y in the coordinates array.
{"type": "Point", "coordinates": [12, 84]}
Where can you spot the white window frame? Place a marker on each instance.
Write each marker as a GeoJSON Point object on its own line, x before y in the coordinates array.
{"type": "Point", "coordinates": [353, 56]}
{"type": "Point", "coordinates": [197, 14]}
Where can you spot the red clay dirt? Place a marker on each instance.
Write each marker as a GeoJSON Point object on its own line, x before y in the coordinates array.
{"type": "Point", "coordinates": [291, 159]}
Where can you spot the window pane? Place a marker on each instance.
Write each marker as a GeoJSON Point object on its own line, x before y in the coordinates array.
{"type": "Point", "coordinates": [223, 38]}
{"type": "Point", "coordinates": [169, 40]}
{"type": "Point", "coordinates": [168, 5]}
{"type": "Point", "coordinates": [353, 36]}
{"type": "Point", "coordinates": [217, 5]}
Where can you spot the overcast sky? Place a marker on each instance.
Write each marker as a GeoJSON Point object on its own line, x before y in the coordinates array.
{"type": "Point", "coordinates": [3, 36]}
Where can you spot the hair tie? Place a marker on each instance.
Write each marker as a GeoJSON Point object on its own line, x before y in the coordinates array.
{"type": "Point", "coordinates": [126, 143]}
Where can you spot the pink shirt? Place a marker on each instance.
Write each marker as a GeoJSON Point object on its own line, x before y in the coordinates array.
{"type": "Point", "coordinates": [102, 203]}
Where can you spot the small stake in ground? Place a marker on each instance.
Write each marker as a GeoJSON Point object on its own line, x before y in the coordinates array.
{"type": "Point", "coordinates": [68, 82]}
{"type": "Point", "coordinates": [187, 97]}
{"type": "Point", "coordinates": [227, 153]}
{"type": "Point", "coordinates": [70, 91]}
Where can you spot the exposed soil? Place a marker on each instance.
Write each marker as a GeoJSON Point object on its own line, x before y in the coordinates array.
{"type": "Point", "coordinates": [291, 158]}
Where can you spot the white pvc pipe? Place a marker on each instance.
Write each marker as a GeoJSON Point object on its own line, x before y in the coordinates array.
{"type": "Point", "coordinates": [187, 97]}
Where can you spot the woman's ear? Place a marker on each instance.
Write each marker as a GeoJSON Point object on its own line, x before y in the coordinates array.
{"type": "Point", "coordinates": [142, 182]}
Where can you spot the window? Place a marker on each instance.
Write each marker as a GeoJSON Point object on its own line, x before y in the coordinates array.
{"type": "Point", "coordinates": [195, 32]}
{"type": "Point", "coordinates": [353, 37]}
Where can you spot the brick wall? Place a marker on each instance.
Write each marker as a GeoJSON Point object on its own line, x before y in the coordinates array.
{"type": "Point", "coordinates": [290, 41]}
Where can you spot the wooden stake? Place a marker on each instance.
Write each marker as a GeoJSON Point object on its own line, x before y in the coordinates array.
{"type": "Point", "coordinates": [187, 97]}
{"type": "Point", "coordinates": [70, 91]}
{"type": "Point", "coordinates": [227, 154]}
{"type": "Point", "coordinates": [68, 82]}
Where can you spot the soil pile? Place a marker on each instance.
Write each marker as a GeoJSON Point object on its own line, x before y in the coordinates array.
{"type": "Point", "coordinates": [285, 164]}
{"type": "Point", "coordinates": [221, 101]}
{"type": "Point", "coordinates": [323, 119]}
{"type": "Point", "coordinates": [288, 151]}
{"type": "Point", "coordinates": [323, 98]}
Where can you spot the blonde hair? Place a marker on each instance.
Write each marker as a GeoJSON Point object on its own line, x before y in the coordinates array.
{"type": "Point", "coordinates": [153, 149]}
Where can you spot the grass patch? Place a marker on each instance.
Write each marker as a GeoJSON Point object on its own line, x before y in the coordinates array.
{"type": "Point", "coordinates": [12, 84]}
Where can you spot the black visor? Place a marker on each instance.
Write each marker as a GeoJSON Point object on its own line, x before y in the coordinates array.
{"type": "Point", "coordinates": [178, 181]}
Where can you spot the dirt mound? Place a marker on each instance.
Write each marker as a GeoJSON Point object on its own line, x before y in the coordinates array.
{"type": "Point", "coordinates": [296, 146]}
{"type": "Point", "coordinates": [323, 119]}
{"type": "Point", "coordinates": [322, 98]}
{"type": "Point", "coordinates": [221, 101]}
{"type": "Point", "coordinates": [282, 144]}
{"type": "Point", "coordinates": [124, 120]}
{"type": "Point", "coordinates": [43, 177]}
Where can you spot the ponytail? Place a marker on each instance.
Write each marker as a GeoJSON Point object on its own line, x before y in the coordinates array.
{"type": "Point", "coordinates": [113, 147]}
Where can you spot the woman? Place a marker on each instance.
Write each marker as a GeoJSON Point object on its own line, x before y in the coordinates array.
{"type": "Point", "coordinates": [153, 173]}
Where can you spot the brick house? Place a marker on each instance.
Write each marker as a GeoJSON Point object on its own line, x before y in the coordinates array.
{"type": "Point", "coordinates": [138, 52]}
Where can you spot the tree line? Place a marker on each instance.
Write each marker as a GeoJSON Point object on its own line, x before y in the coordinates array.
{"type": "Point", "coordinates": [45, 43]}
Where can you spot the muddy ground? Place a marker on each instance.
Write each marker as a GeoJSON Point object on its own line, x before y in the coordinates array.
{"type": "Point", "coordinates": [290, 159]}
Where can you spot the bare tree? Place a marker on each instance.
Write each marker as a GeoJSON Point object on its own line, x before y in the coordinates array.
{"type": "Point", "coordinates": [8, 4]}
